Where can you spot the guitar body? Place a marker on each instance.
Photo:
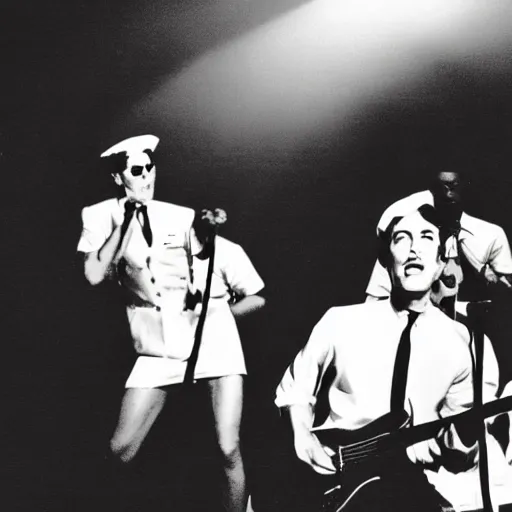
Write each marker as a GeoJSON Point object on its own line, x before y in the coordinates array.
{"type": "Point", "coordinates": [375, 473]}
{"type": "Point", "coordinates": [384, 489]}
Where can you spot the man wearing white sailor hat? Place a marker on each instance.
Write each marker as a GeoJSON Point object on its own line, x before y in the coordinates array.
{"type": "Point", "coordinates": [485, 249]}
{"type": "Point", "coordinates": [372, 359]}
{"type": "Point", "coordinates": [138, 176]}
{"type": "Point", "coordinates": [482, 246]}
{"type": "Point", "coordinates": [151, 248]}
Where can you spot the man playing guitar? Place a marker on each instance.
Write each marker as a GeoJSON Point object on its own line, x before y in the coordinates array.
{"type": "Point", "coordinates": [391, 364]}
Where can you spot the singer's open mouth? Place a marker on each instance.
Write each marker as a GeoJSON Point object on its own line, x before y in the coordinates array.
{"type": "Point", "coordinates": [413, 268]}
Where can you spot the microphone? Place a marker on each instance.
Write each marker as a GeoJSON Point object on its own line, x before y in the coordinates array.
{"type": "Point", "coordinates": [207, 223]}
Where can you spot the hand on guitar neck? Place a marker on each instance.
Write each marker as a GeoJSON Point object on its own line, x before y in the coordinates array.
{"type": "Point", "coordinates": [425, 452]}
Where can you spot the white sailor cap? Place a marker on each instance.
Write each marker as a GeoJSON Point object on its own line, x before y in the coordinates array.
{"type": "Point", "coordinates": [402, 208]}
{"type": "Point", "coordinates": [133, 145]}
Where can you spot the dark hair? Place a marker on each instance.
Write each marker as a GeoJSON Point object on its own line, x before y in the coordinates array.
{"type": "Point", "coordinates": [430, 214]}
{"type": "Point", "coordinates": [116, 164]}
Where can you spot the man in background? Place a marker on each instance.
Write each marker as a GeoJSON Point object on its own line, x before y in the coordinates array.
{"type": "Point", "coordinates": [476, 250]}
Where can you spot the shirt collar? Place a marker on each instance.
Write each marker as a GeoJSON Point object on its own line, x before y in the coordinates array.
{"type": "Point", "coordinates": [464, 231]}
{"type": "Point", "coordinates": [402, 313]}
{"type": "Point", "coordinates": [122, 200]}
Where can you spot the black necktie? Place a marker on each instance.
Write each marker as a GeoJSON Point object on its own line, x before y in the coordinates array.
{"type": "Point", "coordinates": [402, 365]}
{"type": "Point", "coordinates": [146, 227]}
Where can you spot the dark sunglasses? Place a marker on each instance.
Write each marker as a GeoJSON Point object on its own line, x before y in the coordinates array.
{"type": "Point", "coordinates": [137, 170]}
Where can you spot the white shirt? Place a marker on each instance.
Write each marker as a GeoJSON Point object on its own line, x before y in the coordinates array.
{"type": "Point", "coordinates": [361, 341]}
{"type": "Point", "coordinates": [482, 242]}
{"type": "Point", "coordinates": [158, 276]}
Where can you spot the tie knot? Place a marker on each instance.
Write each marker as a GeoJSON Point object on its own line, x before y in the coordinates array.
{"type": "Point", "coordinates": [413, 315]}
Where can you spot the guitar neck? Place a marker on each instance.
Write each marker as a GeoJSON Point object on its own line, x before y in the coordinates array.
{"type": "Point", "coordinates": [429, 430]}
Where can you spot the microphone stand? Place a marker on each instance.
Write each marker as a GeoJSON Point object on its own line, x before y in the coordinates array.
{"type": "Point", "coordinates": [192, 361]}
{"type": "Point", "coordinates": [476, 317]}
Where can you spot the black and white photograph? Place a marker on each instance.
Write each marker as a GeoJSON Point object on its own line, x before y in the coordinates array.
{"type": "Point", "coordinates": [257, 255]}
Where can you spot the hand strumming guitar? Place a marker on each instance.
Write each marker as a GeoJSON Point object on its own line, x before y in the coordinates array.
{"type": "Point", "coordinates": [307, 446]}
{"type": "Point", "coordinates": [310, 451]}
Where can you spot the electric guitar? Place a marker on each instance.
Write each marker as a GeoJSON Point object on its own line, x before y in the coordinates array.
{"type": "Point", "coordinates": [361, 454]}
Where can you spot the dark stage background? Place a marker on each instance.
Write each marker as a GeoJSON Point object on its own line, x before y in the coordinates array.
{"type": "Point", "coordinates": [303, 149]}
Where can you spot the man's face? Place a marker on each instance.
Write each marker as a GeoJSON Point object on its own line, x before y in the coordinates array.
{"type": "Point", "coordinates": [414, 249]}
{"type": "Point", "coordinates": [138, 179]}
{"type": "Point", "coordinates": [448, 189]}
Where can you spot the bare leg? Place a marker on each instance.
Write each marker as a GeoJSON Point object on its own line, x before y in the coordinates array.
{"type": "Point", "coordinates": [227, 397]}
{"type": "Point", "coordinates": [139, 410]}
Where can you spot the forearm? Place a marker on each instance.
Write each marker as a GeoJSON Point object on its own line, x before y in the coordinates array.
{"type": "Point", "coordinates": [246, 305]}
{"type": "Point", "coordinates": [301, 418]}
{"type": "Point", "coordinates": [97, 264]}
{"type": "Point", "coordinates": [307, 446]}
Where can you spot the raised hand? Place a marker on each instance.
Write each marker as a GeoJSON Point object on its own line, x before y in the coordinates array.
{"type": "Point", "coordinates": [130, 206]}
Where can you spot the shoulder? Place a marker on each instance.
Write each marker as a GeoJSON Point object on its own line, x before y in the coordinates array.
{"type": "Point", "coordinates": [230, 255]}
{"type": "Point", "coordinates": [480, 227]}
{"type": "Point", "coordinates": [340, 315]}
{"type": "Point", "coordinates": [106, 205]}
{"type": "Point", "coordinates": [224, 244]}
{"type": "Point", "coordinates": [178, 215]}
{"type": "Point", "coordinates": [101, 209]}
{"type": "Point", "coordinates": [229, 251]}
{"type": "Point", "coordinates": [336, 322]}
{"type": "Point", "coordinates": [175, 209]}
{"type": "Point", "coordinates": [449, 330]}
